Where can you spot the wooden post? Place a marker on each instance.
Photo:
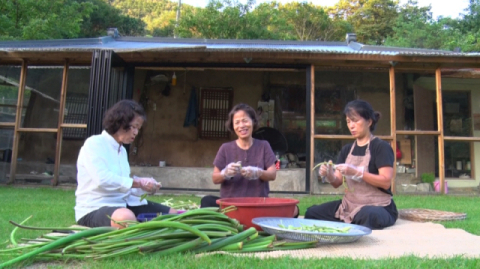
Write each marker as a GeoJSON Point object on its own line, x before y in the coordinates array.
{"type": "Point", "coordinates": [441, 141]}
{"type": "Point", "coordinates": [18, 122]}
{"type": "Point", "coordinates": [312, 125]}
{"type": "Point", "coordinates": [61, 111]}
{"type": "Point", "coordinates": [393, 125]}
{"type": "Point", "coordinates": [310, 177]}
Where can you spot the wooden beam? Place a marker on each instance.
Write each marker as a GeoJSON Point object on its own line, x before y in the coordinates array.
{"type": "Point", "coordinates": [441, 142]}
{"type": "Point", "coordinates": [348, 137]}
{"type": "Point", "coordinates": [461, 138]}
{"type": "Point", "coordinates": [37, 130]}
{"type": "Point", "coordinates": [7, 124]}
{"type": "Point", "coordinates": [311, 123]}
{"type": "Point", "coordinates": [312, 126]}
{"type": "Point", "coordinates": [410, 132]}
{"type": "Point", "coordinates": [61, 111]}
{"type": "Point", "coordinates": [18, 122]}
{"type": "Point", "coordinates": [74, 125]}
{"type": "Point", "coordinates": [393, 124]}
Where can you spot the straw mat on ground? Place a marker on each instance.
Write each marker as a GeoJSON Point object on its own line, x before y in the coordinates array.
{"type": "Point", "coordinates": [421, 239]}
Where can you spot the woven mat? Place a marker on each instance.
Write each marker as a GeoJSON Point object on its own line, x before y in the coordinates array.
{"type": "Point", "coordinates": [425, 240]}
{"type": "Point", "coordinates": [420, 214]}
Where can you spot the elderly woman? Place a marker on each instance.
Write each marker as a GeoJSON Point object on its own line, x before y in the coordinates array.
{"type": "Point", "coordinates": [244, 166]}
{"type": "Point", "coordinates": [367, 166]}
{"type": "Point", "coordinates": [106, 195]}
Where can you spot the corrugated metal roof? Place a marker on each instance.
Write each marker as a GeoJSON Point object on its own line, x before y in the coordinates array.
{"type": "Point", "coordinates": [132, 44]}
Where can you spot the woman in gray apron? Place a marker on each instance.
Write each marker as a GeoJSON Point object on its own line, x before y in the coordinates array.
{"type": "Point", "coordinates": [367, 166]}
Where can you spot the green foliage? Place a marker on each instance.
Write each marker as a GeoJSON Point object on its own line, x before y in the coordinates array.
{"type": "Point", "coordinates": [371, 19]}
{"type": "Point", "coordinates": [379, 22]}
{"type": "Point", "coordinates": [104, 16]}
{"type": "Point", "coordinates": [226, 19]}
{"type": "Point", "coordinates": [41, 19]}
{"type": "Point", "coordinates": [415, 28]}
{"type": "Point", "coordinates": [428, 178]}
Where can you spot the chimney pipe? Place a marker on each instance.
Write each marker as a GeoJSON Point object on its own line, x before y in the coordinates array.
{"type": "Point", "coordinates": [351, 37]}
{"type": "Point", "coordinates": [113, 32]}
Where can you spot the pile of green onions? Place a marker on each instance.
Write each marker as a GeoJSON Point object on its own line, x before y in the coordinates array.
{"type": "Point", "coordinates": [198, 231]}
{"type": "Point", "coordinates": [180, 205]}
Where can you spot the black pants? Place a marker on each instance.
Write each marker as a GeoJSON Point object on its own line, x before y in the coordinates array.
{"type": "Point", "coordinates": [210, 201]}
{"type": "Point", "coordinates": [373, 217]}
{"type": "Point", "coordinates": [100, 217]}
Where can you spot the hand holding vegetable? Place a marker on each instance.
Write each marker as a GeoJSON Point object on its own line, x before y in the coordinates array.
{"type": "Point", "coordinates": [231, 170]}
{"type": "Point", "coordinates": [148, 184]}
{"type": "Point", "coordinates": [326, 171]}
{"type": "Point", "coordinates": [251, 172]}
{"type": "Point", "coordinates": [351, 171]}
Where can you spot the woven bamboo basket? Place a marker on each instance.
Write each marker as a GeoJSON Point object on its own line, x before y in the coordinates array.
{"type": "Point", "coordinates": [419, 214]}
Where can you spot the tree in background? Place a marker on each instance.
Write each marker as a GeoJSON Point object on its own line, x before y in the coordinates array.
{"type": "Point", "coordinates": [61, 19]}
{"type": "Point", "coordinates": [220, 19]}
{"type": "Point", "coordinates": [414, 27]}
{"type": "Point", "coordinates": [465, 32]}
{"type": "Point", "coordinates": [104, 16]}
{"type": "Point", "coordinates": [378, 22]}
{"type": "Point", "coordinates": [42, 19]}
{"type": "Point", "coordinates": [306, 21]}
{"type": "Point", "coordinates": [157, 15]}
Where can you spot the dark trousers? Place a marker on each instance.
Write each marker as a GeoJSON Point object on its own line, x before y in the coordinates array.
{"type": "Point", "coordinates": [373, 217]}
{"type": "Point", "coordinates": [209, 201]}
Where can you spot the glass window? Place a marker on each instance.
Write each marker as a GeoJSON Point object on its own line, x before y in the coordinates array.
{"type": "Point", "coordinates": [6, 145]}
{"type": "Point", "coordinates": [42, 96]}
{"type": "Point", "coordinates": [459, 159]}
{"type": "Point", "coordinates": [76, 105]}
{"type": "Point", "coordinates": [76, 108]}
{"type": "Point", "coordinates": [334, 89]}
{"type": "Point", "coordinates": [9, 79]}
{"type": "Point", "coordinates": [416, 102]}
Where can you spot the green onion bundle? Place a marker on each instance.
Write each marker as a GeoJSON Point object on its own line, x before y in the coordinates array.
{"type": "Point", "coordinates": [198, 231]}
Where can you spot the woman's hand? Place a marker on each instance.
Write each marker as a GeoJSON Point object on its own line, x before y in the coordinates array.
{"type": "Point", "coordinates": [351, 171]}
{"type": "Point", "coordinates": [251, 172]}
{"type": "Point", "coordinates": [326, 171]}
{"type": "Point", "coordinates": [231, 170]}
{"type": "Point", "coordinates": [148, 184]}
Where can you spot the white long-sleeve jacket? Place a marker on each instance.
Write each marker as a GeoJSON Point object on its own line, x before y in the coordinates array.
{"type": "Point", "coordinates": [103, 176]}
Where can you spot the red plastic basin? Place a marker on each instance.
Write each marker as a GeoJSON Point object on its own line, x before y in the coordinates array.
{"type": "Point", "coordinates": [249, 208]}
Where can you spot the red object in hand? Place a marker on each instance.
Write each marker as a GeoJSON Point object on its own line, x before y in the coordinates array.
{"type": "Point", "coordinates": [277, 165]}
{"type": "Point", "coordinates": [399, 153]}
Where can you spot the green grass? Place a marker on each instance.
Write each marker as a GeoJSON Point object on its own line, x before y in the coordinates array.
{"type": "Point", "coordinates": [54, 207]}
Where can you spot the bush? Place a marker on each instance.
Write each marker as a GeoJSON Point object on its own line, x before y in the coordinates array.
{"type": "Point", "coordinates": [428, 178]}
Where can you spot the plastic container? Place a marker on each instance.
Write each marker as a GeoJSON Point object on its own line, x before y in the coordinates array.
{"type": "Point", "coordinates": [436, 186]}
{"type": "Point", "coordinates": [249, 208]}
{"type": "Point", "coordinates": [146, 216]}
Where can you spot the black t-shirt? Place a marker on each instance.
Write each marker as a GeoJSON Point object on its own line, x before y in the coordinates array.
{"type": "Point", "coordinates": [381, 154]}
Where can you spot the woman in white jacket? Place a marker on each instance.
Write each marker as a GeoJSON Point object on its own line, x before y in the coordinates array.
{"type": "Point", "coordinates": [106, 194]}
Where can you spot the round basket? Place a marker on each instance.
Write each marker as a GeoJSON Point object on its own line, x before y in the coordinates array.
{"type": "Point", "coordinates": [418, 214]}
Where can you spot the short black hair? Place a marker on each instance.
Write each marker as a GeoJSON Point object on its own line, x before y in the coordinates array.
{"type": "Point", "coordinates": [364, 110]}
{"type": "Point", "coordinates": [121, 114]}
{"type": "Point", "coordinates": [247, 109]}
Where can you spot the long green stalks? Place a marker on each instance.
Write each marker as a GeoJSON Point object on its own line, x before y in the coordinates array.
{"type": "Point", "coordinates": [58, 243]}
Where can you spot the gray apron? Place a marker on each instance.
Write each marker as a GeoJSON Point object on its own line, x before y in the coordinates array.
{"type": "Point", "coordinates": [360, 194]}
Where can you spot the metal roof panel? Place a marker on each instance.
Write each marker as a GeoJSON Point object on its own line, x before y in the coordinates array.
{"type": "Point", "coordinates": [132, 44]}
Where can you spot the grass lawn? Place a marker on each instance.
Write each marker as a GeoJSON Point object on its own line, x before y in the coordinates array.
{"type": "Point", "coordinates": [54, 208]}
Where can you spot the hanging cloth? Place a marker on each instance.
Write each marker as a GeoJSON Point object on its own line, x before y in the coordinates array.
{"type": "Point", "coordinates": [192, 110]}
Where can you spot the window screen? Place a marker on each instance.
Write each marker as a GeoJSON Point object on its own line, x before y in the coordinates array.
{"type": "Point", "coordinates": [214, 107]}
